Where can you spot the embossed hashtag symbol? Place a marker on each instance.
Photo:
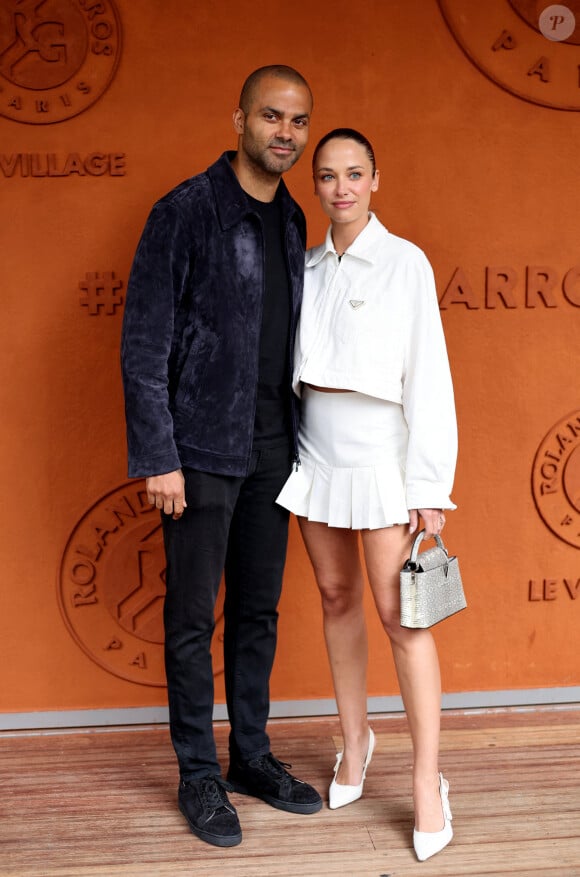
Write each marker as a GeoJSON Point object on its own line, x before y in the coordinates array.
{"type": "Point", "coordinates": [101, 292]}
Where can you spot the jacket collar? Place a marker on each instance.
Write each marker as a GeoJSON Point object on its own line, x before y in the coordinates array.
{"type": "Point", "coordinates": [364, 246]}
{"type": "Point", "coordinates": [231, 200]}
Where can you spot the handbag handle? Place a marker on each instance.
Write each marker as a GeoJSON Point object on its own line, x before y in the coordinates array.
{"type": "Point", "coordinates": [418, 539]}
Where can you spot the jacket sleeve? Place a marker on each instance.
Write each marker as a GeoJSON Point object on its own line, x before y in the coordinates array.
{"type": "Point", "coordinates": [157, 278]}
{"type": "Point", "coordinates": [428, 402]}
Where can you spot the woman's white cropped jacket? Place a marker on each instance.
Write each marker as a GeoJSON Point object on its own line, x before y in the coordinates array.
{"type": "Point", "coordinates": [370, 322]}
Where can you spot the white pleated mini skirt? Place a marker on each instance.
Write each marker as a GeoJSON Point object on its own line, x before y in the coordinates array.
{"type": "Point", "coordinates": [353, 450]}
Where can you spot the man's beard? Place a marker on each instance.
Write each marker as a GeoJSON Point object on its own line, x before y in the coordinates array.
{"type": "Point", "coordinates": [270, 163]}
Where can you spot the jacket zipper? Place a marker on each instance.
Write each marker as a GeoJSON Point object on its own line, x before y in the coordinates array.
{"type": "Point", "coordinates": [296, 463]}
{"type": "Point", "coordinates": [324, 318]}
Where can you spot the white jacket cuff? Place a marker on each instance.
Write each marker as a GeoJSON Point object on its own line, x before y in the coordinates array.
{"type": "Point", "coordinates": [428, 495]}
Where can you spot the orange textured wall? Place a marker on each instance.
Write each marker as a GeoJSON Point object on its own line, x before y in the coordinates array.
{"type": "Point", "coordinates": [479, 166]}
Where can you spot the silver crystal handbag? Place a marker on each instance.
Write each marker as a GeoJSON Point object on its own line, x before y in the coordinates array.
{"type": "Point", "coordinates": [431, 586]}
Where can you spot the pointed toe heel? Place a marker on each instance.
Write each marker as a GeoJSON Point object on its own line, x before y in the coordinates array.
{"type": "Point", "coordinates": [339, 795]}
{"type": "Point", "coordinates": [428, 843]}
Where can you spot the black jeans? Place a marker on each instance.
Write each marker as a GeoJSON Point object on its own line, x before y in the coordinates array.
{"type": "Point", "coordinates": [234, 524]}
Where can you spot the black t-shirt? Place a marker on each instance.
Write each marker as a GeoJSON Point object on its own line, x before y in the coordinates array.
{"type": "Point", "coordinates": [272, 422]}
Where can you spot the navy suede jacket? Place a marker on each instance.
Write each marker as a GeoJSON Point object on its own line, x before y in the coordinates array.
{"type": "Point", "coordinates": [191, 330]}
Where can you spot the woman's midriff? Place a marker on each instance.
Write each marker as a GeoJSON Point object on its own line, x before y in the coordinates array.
{"type": "Point", "coordinates": [328, 389]}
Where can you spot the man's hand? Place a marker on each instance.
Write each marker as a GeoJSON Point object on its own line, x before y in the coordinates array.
{"type": "Point", "coordinates": [433, 521]}
{"type": "Point", "coordinates": [167, 492]}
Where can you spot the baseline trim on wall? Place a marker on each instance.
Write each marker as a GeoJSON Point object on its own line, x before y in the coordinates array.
{"type": "Point", "coordinates": [534, 700]}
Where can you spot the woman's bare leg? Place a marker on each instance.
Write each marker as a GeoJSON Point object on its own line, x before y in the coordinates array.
{"type": "Point", "coordinates": [417, 666]}
{"type": "Point", "coordinates": [334, 553]}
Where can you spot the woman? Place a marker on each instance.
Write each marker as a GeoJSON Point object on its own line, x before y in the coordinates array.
{"type": "Point", "coordinates": [378, 445]}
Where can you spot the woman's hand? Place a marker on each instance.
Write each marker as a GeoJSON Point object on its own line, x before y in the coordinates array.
{"type": "Point", "coordinates": [433, 521]}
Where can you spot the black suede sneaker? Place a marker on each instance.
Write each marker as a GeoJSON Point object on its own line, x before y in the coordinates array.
{"type": "Point", "coordinates": [266, 778]}
{"type": "Point", "coordinates": [209, 814]}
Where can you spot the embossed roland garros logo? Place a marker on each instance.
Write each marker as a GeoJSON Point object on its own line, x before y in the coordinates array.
{"type": "Point", "coordinates": [516, 44]}
{"type": "Point", "coordinates": [57, 57]}
{"type": "Point", "coordinates": [556, 479]}
{"type": "Point", "coordinates": [111, 587]}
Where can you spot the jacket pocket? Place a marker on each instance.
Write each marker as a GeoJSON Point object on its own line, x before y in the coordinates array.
{"type": "Point", "coordinates": [194, 371]}
{"type": "Point", "coordinates": [363, 328]}
{"type": "Point", "coordinates": [356, 315]}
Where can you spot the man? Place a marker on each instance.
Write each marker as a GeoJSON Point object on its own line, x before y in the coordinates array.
{"type": "Point", "coordinates": [208, 340]}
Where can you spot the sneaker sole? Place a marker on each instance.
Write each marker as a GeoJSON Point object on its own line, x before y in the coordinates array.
{"type": "Point", "coordinates": [288, 806]}
{"type": "Point", "coordinates": [217, 840]}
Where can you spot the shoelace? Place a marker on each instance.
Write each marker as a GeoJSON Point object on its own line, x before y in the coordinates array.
{"type": "Point", "coordinates": [270, 764]}
{"type": "Point", "coordinates": [213, 793]}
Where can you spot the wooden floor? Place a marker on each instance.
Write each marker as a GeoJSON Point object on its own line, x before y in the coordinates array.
{"type": "Point", "coordinates": [103, 803]}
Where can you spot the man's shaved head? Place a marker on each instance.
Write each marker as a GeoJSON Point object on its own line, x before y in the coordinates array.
{"type": "Point", "coordinates": [279, 71]}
